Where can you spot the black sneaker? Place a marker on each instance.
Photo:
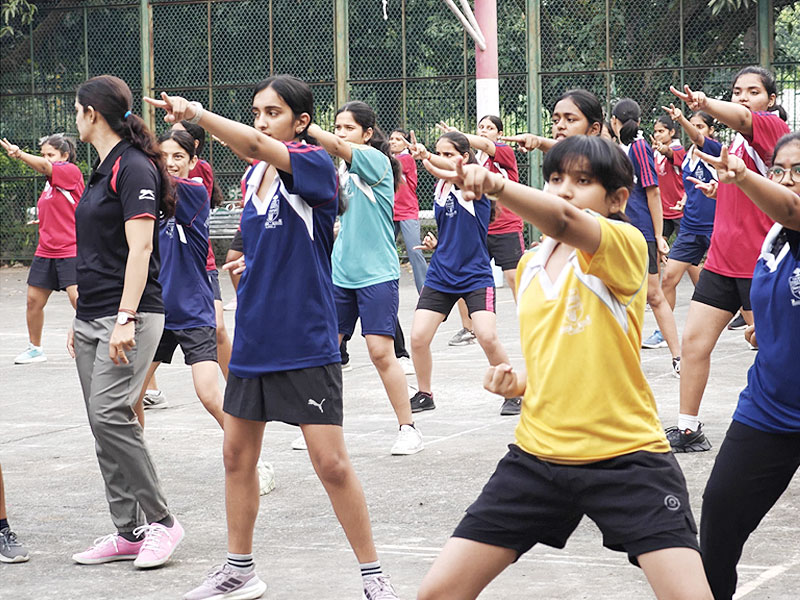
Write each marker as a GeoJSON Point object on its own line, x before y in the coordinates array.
{"type": "Point", "coordinates": [688, 440]}
{"type": "Point", "coordinates": [737, 323]}
{"type": "Point", "coordinates": [422, 401]}
{"type": "Point", "coordinates": [511, 406]}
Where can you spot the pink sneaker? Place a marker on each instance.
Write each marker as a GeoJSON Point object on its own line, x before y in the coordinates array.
{"type": "Point", "coordinates": [109, 548]}
{"type": "Point", "coordinates": [159, 544]}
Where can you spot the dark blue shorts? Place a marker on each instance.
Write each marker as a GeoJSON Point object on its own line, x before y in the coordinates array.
{"type": "Point", "coordinates": [376, 306]}
{"type": "Point", "coordinates": [213, 278]}
{"type": "Point", "coordinates": [690, 248]}
{"type": "Point", "coordinates": [55, 274]}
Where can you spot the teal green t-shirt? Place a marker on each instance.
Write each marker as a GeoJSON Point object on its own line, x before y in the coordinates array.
{"type": "Point", "coordinates": [364, 252]}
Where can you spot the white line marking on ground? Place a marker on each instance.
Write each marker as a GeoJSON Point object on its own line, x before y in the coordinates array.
{"type": "Point", "coordinates": [771, 573]}
{"type": "Point", "coordinates": [460, 433]}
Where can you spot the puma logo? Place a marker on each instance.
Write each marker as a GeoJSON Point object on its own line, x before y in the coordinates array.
{"type": "Point", "coordinates": [317, 404]}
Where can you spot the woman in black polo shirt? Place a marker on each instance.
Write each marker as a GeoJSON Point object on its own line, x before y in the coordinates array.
{"type": "Point", "coordinates": [120, 316]}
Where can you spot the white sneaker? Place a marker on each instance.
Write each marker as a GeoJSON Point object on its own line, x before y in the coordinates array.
{"type": "Point", "coordinates": [154, 399]}
{"type": "Point", "coordinates": [299, 443]}
{"type": "Point", "coordinates": [407, 364]}
{"type": "Point", "coordinates": [409, 441]}
{"type": "Point", "coordinates": [377, 587]}
{"type": "Point", "coordinates": [33, 354]}
{"type": "Point", "coordinates": [266, 477]}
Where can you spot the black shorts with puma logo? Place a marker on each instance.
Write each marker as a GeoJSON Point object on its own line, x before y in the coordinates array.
{"type": "Point", "coordinates": [310, 396]}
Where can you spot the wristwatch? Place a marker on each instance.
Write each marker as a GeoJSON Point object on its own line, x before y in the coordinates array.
{"type": "Point", "coordinates": [125, 317]}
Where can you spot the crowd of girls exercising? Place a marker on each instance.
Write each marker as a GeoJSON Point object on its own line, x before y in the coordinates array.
{"type": "Point", "coordinates": [586, 443]}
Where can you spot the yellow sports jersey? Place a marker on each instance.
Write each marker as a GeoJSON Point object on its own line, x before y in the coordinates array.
{"type": "Point", "coordinates": [586, 397]}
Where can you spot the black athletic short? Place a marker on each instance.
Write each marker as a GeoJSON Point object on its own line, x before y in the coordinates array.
{"type": "Point", "coordinates": [671, 226]}
{"type": "Point", "coordinates": [723, 292]}
{"type": "Point", "coordinates": [52, 273]}
{"type": "Point", "coordinates": [442, 302]}
{"type": "Point", "coordinates": [506, 249]}
{"type": "Point", "coordinates": [213, 278]}
{"type": "Point", "coordinates": [237, 244]}
{"type": "Point", "coordinates": [639, 501]}
{"type": "Point", "coordinates": [198, 344]}
{"type": "Point", "coordinates": [310, 396]}
{"type": "Point", "coordinates": [652, 258]}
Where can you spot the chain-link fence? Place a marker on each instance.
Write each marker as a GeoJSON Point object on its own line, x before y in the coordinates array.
{"type": "Point", "coordinates": [416, 67]}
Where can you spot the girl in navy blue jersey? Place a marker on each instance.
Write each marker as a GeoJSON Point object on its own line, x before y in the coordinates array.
{"type": "Point", "coordinates": [285, 364]}
{"type": "Point", "coordinates": [761, 451]}
{"type": "Point", "coordinates": [645, 212]}
{"type": "Point", "coordinates": [690, 247]}
{"type": "Point", "coordinates": [459, 269]}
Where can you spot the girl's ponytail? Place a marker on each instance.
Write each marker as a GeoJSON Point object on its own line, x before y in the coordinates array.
{"type": "Point", "coordinates": [628, 113]}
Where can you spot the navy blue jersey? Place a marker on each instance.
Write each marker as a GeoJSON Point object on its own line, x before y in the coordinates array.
{"type": "Point", "coordinates": [183, 243]}
{"type": "Point", "coordinates": [771, 400]}
{"type": "Point", "coordinates": [460, 263]}
{"type": "Point", "coordinates": [698, 213]}
{"type": "Point", "coordinates": [286, 316]}
{"type": "Point", "coordinates": [644, 176]}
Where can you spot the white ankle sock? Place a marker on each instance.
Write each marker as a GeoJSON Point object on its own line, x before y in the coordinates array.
{"type": "Point", "coordinates": [688, 422]}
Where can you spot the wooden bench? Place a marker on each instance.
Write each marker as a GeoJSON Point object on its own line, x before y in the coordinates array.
{"type": "Point", "coordinates": [223, 222]}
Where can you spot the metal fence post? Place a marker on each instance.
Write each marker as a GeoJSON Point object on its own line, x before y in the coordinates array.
{"type": "Point", "coordinates": [341, 43]}
{"type": "Point", "coordinates": [766, 41]}
{"type": "Point", "coordinates": [146, 49]}
{"type": "Point", "coordinates": [533, 17]}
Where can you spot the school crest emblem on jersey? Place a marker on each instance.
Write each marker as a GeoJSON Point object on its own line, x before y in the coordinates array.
{"type": "Point", "coordinates": [699, 173]}
{"type": "Point", "coordinates": [574, 321]}
{"type": "Point", "coordinates": [273, 210]}
{"type": "Point", "coordinates": [450, 206]}
{"type": "Point", "coordinates": [794, 286]}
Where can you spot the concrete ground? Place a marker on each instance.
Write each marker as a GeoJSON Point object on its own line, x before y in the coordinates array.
{"type": "Point", "coordinates": [57, 505]}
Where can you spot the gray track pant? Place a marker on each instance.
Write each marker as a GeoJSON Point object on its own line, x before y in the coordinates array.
{"type": "Point", "coordinates": [110, 392]}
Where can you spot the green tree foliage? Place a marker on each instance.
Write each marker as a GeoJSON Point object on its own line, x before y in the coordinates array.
{"type": "Point", "coordinates": [13, 14]}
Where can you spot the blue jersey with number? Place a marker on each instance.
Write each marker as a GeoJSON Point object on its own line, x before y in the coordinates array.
{"type": "Point", "coordinates": [460, 263]}
{"type": "Point", "coordinates": [183, 246]}
{"type": "Point", "coordinates": [286, 317]}
{"type": "Point", "coordinates": [771, 400]}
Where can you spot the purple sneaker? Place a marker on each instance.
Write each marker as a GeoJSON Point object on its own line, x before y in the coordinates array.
{"type": "Point", "coordinates": [109, 548]}
{"type": "Point", "coordinates": [225, 583]}
{"type": "Point", "coordinates": [159, 544]}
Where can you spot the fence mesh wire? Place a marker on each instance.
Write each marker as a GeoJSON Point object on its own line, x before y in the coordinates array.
{"type": "Point", "coordinates": [415, 68]}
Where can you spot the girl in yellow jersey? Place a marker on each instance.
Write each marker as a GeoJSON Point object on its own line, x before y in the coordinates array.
{"type": "Point", "coordinates": [589, 441]}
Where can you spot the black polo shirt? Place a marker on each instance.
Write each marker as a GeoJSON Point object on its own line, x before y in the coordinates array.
{"type": "Point", "coordinates": [100, 231]}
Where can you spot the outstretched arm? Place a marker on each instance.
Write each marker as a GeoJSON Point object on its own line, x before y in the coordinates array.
{"type": "Point", "coordinates": [419, 152]}
{"type": "Point", "coordinates": [242, 139]}
{"type": "Point", "coordinates": [37, 163]}
{"type": "Point", "coordinates": [676, 114]}
{"type": "Point", "coordinates": [332, 143]}
{"type": "Point", "coordinates": [528, 141]}
{"type": "Point", "coordinates": [475, 141]}
{"type": "Point", "coordinates": [554, 216]}
{"type": "Point", "coordinates": [733, 115]}
{"type": "Point", "coordinates": [779, 202]}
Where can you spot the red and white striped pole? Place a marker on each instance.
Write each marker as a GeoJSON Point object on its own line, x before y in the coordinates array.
{"type": "Point", "coordinates": [487, 89]}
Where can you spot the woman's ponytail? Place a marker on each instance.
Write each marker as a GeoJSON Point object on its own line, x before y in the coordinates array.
{"type": "Point", "coordinates": [112, 98]}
